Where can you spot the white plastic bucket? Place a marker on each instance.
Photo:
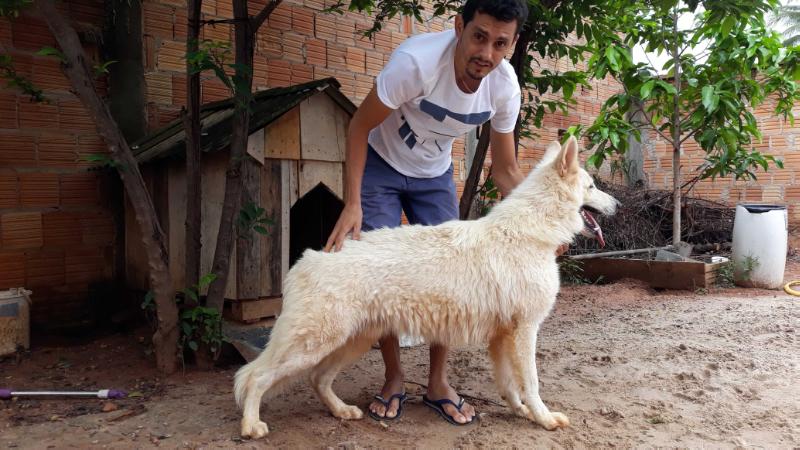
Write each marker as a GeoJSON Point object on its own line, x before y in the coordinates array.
{"type": "Point", "coordinates": [760, 243]}
{"type": "Point", "coordinates": [15, 320]}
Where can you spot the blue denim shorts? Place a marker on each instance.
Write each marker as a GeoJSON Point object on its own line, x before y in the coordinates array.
{"type": "Point", "coordinates": [386, 193]}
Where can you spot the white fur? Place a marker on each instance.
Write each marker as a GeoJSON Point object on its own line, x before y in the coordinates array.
{"type": "Point", "coordinates": [492, 280]}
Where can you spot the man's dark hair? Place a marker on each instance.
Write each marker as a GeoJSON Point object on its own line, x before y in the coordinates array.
{"type": "Point", "coordinates": [502, 10]}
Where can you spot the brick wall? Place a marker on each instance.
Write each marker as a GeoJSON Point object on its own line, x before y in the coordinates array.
{"type": "Point", "coordinates": [56, 232]}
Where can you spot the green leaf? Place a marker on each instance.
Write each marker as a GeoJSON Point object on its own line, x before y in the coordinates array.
{"type": "Point", "coordinates": [647, 88]}
{"type": "Point", "coordinates": [727, 25]}
{"type": "Point", "coordinates": [50, 51]}
{"type": "Point", "coordinates": [193, 345]}
{"type": "Point", "coordinates": [708, 97]}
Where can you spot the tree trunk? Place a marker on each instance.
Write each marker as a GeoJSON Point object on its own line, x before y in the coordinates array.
{"type": "Point", "coordinates": [676, 141]}
{"type": "Point", "coordinates": [78, 72]}
{"type": "Point", "coordinates": [245, 36]}
{"type": "Point", "coordinates": [193, 171]}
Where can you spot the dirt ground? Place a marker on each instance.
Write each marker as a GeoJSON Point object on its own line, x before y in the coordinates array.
{"type": "Point", "coordinates": [631, 367]}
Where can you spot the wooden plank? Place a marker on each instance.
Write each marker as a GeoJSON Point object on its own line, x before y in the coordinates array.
{"type": "Point", "coordinates": [320, 131]}
{"type": "Point", "coordinates": [255, 146]}
{"type": "Point", "coordinates": [282, 139]}
{"type": "Point", "coordinates": [249, 310]}
{"type": "Point", "coordinates": [289, 196]}
{"type": "Point", "coordinates": [248, 247]}
{"type": "Point", "coordinates": [312, 173]}
{"type": "Point", "coordinates": [271, 246]}
{"type": "Point", "coordinates": [658, 274]}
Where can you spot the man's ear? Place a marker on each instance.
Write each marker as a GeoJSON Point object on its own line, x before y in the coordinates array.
{"type": "Point", "coordinates": [567, 161]}
{"type": "Point", "coordinates": [459, 26]}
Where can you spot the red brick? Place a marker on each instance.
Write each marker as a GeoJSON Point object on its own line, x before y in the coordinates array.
{"type": "Point", "coordinates": [364, 84]}
{"type": "Point", "coordinates": [356, 60]}
{"type": "Point", "coordinates": [172, 56]}
{"type": "Point", "coordinates": [180, 24]}
{"type": "Point", "coordinates": [12, 269]}
{"type": "Point", "coordinates": [73, 116]}
{"type": "Point", "coordinates": [225, 9]}
{"type": "Point", "coordinates": [167, 115]}
{"type": "Point", "coordinates": [269, 42]}
{"type": "Point", "coordinates": [84, 264]}
{"type": "Point", "coordinates": [316, 52]}
{"type": "Point", "coordinates": [303, 21]}
{"type": "Point", "coordinates": [97, 228]}
{"type": "Point", "coordinates": [374, 63]}
{"type": "Point", "coordinates": [9, 189]}
{"type": "Point", "coordinates": [47, 74]}
{"type": "Point", "coordinates": [278, 73]}
{"type": "Point", "coordinates": [37, 115]}
{"type": "Point", "coordinates": [383, 42]}
{"type": "Point", "coordinates": [58, 150]}
{"type": "Point", "coordinates": [158, 20]}
{"type": "Point", "coordinates": [30, 33]}
{"type": "Point", "coordinates": [210, 6]}
{"type": "Point", "coordinates": [178, 91]}
{"type": "Point", "coordinates": [217, 32]}
{"type": "Point", "coordinates": [293, 47]}
{"type": "Point", "coordinates": [301, 73]}
{"type": "Point", "coordinates": [61, 229]}
{"type": "Point", "coordinates": [78, 189]}
{"type": "Point", "coordinates": [149, 49]}
{"type": "Point", "coordinates": [255, 6]}
{"type": "Point", "coordinates": [38, 190]}
{"type": "Point", "coordinates": [21, 230]}
{"type": "Point", "coordinates": [281, 18]}
{"type": "Point", "coordinates": [8, 109]}
{"type": "Point", "coordinates": [6, 40]}
{"type": "Point", "coordinates": [17, 150]}
{"type": "Point", "coordinates": [90, 145]}
{"type": "Point", "coordinates": [337, 56]}
{"type": "Point", "coordinates": [159, 87]}
{"type": "Point", "coordinates": [345, 31]}
{"type": "Point", "coordinates": [260, 71]}
{"type": "Point", "coordinates": [91, 12]}
{"type": "Point", "coordinates": [325, 26]}
{"type": "Point", "coordinates": [44, 268]}
{"type": "Point", "coordinates": [317, 5]}
{"type": "Point", "coordinates": [213, 89]}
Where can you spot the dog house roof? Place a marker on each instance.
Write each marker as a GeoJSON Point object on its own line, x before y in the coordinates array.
{"type": "Point", "coordinates": [217, 118]}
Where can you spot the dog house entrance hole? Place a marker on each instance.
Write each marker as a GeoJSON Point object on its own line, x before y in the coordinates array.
{"type": "Point", "coordinates": [312, 219]}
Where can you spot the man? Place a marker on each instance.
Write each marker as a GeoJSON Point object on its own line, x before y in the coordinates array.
{"type": "Point", "coordinates": [435, 87]}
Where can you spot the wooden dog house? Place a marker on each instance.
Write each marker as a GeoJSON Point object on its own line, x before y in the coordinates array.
{"type": "Point", "coordinates": [297, 137]}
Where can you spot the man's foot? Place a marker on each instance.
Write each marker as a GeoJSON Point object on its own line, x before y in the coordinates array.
{"type": "Point", "coordinates": [391, 387]}
{"type": "Point", "coordinates": [440, 391]}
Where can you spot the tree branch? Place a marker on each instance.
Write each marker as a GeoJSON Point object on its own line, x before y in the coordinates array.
{"type": "Point", "coordinates": [258, 20]}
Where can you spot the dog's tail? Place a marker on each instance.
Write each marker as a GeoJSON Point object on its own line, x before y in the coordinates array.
{"type": "Point", "coordinates": [240, 382]}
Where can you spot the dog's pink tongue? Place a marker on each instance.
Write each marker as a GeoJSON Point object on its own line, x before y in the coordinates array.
{"type": "Point", "coordinates": [595, 227]}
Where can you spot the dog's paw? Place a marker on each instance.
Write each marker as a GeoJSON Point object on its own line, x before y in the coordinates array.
{"type": "Point", "coordinates": [349, 412]}
{"type": "Point", "coordinates": [554, 420]}
{"type": "Point", "coordinates": [254, 430]}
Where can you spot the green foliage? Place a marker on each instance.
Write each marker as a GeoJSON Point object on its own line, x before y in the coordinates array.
{"type": "Point", "coordinates": [741, 66]}
{"type": "Point", "coordinates": [104, 160]}
{"type": "Point", "coordinates": [252, 218]}
{"type": "Point", "coordinates": [488, 196]}
{"type": "Point", "coordinates": [571, 271]}
{"type": "Point", "coordinates": [213, 56]}
{"type": "Point", "coordinates": [198, 324]}
{"type": "Point", "coordinates": [12, 8]}
{"type": "Point", "coordinates": [16, 81]}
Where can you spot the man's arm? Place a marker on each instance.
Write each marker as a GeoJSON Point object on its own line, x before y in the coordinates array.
{"type": "Point", "coordinates": [505, 170]}
{"type": "Point", "coordinates": [368, 116]}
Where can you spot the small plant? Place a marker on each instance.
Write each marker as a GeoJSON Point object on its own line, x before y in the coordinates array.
{"type": "Point", "coordinates": [745, 269]}
{"type": "Point", "coordinates": [198, 324]}
{"type": "Point", "coordinates": [488, 195]}
{"type": "Point", "coordinates": [725, 274]}
{"type": "Point", "coordinates": [252, 217]}
{"type": "Point", "coordinates": [572, 272]}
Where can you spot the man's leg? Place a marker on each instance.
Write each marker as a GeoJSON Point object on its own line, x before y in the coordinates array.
{"type": "Point", "coordinates": [381, 207]}
{"type": "Point", "coordinates": [432, 201]}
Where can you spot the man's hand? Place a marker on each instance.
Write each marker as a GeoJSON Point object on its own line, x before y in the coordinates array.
{"type": "Point", "coordinates": [349, 221]}
{"type": "Point", "coordinates": [562, 249]}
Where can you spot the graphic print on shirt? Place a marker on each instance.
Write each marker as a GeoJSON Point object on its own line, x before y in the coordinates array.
{"type": "Point", "coordinates": [439, 114]}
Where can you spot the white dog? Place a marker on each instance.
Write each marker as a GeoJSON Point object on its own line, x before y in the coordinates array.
{"type": "Point", "coordinates": [463, 282]}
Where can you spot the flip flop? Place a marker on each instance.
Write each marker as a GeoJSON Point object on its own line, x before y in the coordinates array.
{"type": "Point", "coordinates": [402, 397]}
{"type": "Point", "coordinates": [438, 406]}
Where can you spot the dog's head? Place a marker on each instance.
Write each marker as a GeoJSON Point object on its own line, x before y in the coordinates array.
{"type": "Point", "coordinates": [576, 187]}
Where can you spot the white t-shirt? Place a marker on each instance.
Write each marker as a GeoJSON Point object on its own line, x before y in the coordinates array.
{"type": "Point", "coordinates": [430, 111]}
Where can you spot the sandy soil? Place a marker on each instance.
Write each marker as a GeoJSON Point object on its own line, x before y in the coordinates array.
{"type": "Point", "coordinates": [631, 368]}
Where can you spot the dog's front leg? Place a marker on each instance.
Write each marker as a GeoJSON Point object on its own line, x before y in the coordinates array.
{"type": "Point", "coordinates": [508, 385]}
{"type": "Point", "coordinates": [525, 365]}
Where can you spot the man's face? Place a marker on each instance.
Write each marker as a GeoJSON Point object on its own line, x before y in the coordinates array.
{"type": "Point", "coordinates": [483, 43]}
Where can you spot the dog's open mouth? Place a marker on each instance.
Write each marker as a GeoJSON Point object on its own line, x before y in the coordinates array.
{"type": "Point", "coordinates": [591, 227]}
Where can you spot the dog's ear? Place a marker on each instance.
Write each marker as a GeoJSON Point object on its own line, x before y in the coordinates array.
{"type": "Point", "coordinates": [567, 162]}
{"type": "Point", "coordinates": [550, 154]}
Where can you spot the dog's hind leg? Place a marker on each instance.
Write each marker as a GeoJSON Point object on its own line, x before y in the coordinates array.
{"type": "Point", "coordinates": [325, 372]}
{"type": "Point", "coordinates": [288, 355]}
{"type": "Point", "coordinates": [508, 386]}
{"type": "Point", "coordinates": [524, 361]}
